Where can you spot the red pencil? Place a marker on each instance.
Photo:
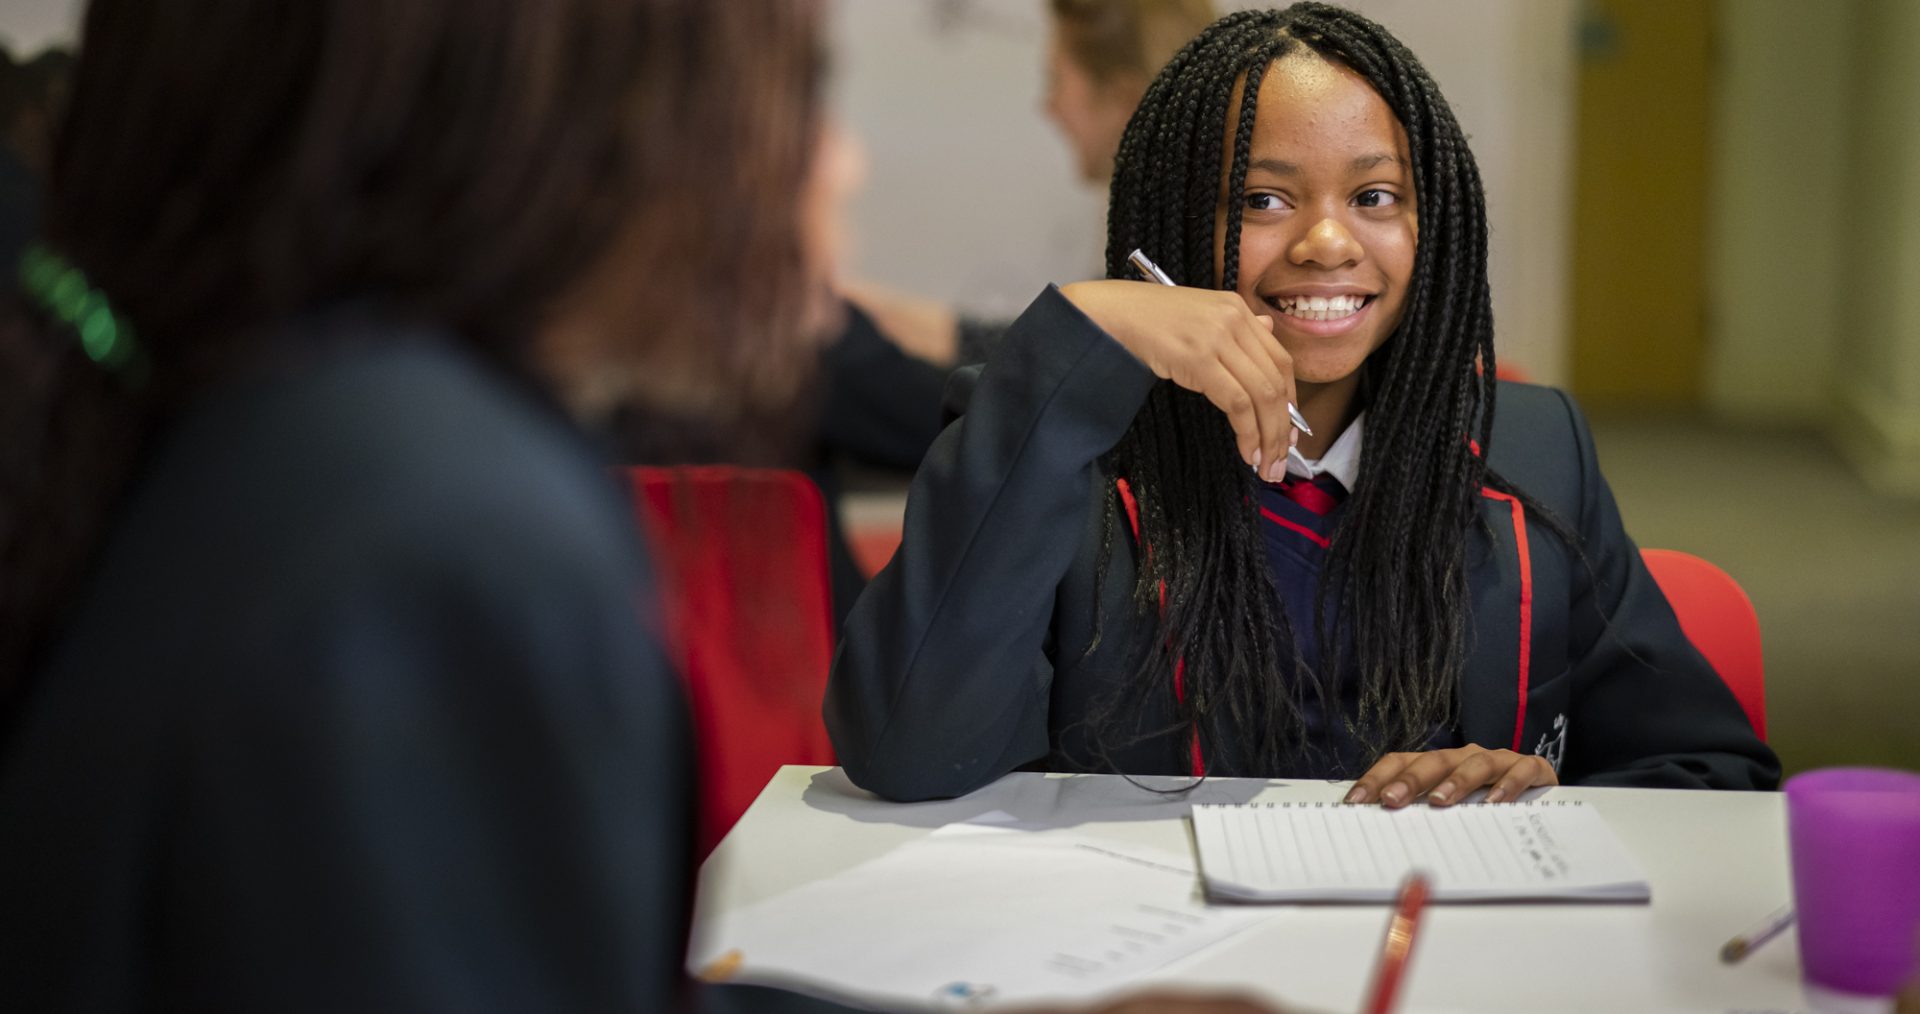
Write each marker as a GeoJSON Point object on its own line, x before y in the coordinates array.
{"type": "Point", "coordinates": [1398, 947]}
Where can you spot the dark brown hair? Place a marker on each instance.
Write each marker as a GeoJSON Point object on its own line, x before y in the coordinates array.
{"type": "Point", "coordinates": [223, 167]}
{"type": "Point", "coordinates": [1109, 38]}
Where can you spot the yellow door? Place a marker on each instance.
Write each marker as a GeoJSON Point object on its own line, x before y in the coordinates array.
{"type": "Point", "coordinates": [1639, 248]}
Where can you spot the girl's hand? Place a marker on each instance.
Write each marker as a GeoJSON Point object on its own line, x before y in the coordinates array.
{"type": "Point", "coordinates": [1209, 342]}
{"type": "Point", "coordinates": [1446, 776]}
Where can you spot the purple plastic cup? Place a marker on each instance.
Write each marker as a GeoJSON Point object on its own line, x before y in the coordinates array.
{"type": "Point", "coordinates": [1855, 836]}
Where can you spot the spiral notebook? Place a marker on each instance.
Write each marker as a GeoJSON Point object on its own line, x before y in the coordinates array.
{"type": "Point", "coordinates": [1545, 850]}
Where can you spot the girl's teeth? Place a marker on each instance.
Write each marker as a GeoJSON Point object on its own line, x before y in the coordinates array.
{"type": "Point", "coordinates": [1321, 307]}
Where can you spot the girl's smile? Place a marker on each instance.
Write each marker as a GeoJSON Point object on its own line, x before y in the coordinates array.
{"type": "Point", "coordinates": [1320, 311]}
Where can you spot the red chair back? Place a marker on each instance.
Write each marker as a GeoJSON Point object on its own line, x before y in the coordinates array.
{"type": "Point", "coordinates": [740, 567]}
{"type": "Point", "coordinates": [873, 546]}
{"type": "Point", "coordinates": [1718, 618]}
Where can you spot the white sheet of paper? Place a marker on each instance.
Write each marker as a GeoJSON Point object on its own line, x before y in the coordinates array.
{"type": "Point", "coordinates": [974, 916]}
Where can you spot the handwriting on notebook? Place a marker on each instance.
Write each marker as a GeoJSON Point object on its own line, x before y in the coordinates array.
{"type": "Point", "coordinates": [1543, 850]}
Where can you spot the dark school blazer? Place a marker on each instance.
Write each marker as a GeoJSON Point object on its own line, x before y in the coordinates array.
{"type": "Point", "coordinates": [967, 657]}
{"type": "Point", "coordinates": [358, 712]}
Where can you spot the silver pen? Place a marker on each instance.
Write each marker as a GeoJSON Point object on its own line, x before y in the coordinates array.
{"type": "Point", "coordinates": [1152, 273]}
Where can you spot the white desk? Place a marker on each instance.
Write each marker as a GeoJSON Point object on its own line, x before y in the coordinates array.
{"type": "Point", "coordinates": [1717, 862]}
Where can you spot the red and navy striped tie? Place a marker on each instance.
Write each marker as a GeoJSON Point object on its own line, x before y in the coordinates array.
{"type": "Point", "coordinates": [1320, 494]}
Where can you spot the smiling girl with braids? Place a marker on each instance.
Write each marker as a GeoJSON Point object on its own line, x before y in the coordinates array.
{"type": "Point", "coordinates": [1123, 557]}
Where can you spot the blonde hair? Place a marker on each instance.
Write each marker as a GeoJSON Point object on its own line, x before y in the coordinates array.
{"type": "Point", "coordinates": [1109, 38]}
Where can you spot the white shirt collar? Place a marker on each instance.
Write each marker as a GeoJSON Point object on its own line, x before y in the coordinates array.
{"type": "Point", "coordinates": [1342, 460]}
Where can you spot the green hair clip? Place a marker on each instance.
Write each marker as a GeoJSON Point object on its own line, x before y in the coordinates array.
{"type": "Point", "coordinates": [63, 292]}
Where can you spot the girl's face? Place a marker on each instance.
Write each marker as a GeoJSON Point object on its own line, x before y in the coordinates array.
{"type": "Point", "coordinates": [1328, 229]}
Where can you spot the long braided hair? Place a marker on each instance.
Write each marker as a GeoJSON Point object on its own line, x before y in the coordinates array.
{"type": "Point", "coordinates": [1394, 582]}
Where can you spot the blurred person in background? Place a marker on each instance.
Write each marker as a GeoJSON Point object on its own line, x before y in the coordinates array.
{"type": "Point", "coordinates": [1101, 55]}
{"type": "Point", "coordinates": [875, 401]}
{"type": "Point", "coordinates": [31, 93]}
{"type": "Point", "coordinates": [324, 683]}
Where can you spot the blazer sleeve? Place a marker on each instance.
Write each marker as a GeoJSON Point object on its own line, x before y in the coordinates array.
{"type": "Point", "coordinates": [1648, 710]}
{"type": "Point", "coordinates": [940, 684]}
{"type": "Point", "coordinates": [881, 405]}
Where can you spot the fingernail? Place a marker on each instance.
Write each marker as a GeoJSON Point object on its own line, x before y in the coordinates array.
{"type": "Point", "coordinates": [1441, 794]}
{"type": "Point", "coordinates": [1358, 794]}
{"type": "Point", "coordinates": [1256, 461]}
{"type": "Point", "coordinates": [1278, 472]}
{"type": "Point", "coordinates": [1496, 795]}
{"type": "Point", "coordinates": [1293, 439]}
{"type": "Point", "coordinates": [1394, 794]}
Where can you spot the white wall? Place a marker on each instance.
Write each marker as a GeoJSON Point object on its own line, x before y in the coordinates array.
{"type": "Point", "coordinates": [28, 26]}
{"type": "Point", "coordinates": [1815, 237]}
{"type": "Point", "coordinates": [973, 197]}
{"type": "Point", "coordinates": [1878, 352]}
{"type": "Point", "coordinates": [1779, 188]}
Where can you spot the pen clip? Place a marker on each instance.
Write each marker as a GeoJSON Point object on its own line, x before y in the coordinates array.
{"type": "Point", "coordinates": [1147, 268]}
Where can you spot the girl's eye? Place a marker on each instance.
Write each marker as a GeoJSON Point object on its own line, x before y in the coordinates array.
{"type": "Point", "coordinates": [1265, 202]}
{"type": "Point", "coordinates": [1376, 199]}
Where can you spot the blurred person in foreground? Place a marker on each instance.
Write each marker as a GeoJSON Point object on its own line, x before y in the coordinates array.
{"type": "Point", "coordinates": [324, 683]}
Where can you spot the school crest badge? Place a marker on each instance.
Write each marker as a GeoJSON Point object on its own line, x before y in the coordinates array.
{"type": "Point", "coordinates": [1553, 745]}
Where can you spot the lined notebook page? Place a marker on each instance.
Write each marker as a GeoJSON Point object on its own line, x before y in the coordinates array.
{"type": "Point", "coordinates": [1542, 850]}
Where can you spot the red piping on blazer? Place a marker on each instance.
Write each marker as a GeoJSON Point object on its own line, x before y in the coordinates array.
{"type": "Point", "coordinates": [1132, 506]}
{"type": "Point", "coordinates": [1526, 603]}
